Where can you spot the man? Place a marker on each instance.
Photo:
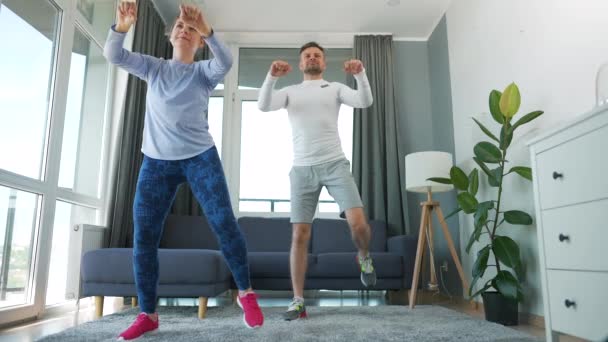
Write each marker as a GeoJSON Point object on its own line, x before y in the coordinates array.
{"type": "Point", "coordinates": [313, 107]}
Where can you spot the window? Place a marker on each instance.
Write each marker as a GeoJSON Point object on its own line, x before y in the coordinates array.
{"type": "Point", "coordinates": [84, 118]}
{"type": "Point", "coordinates": [25, 85]}
{"type": "Point", "coordinates": [99, 14]}
{"type": "Point", "coordinates": [266, 157]}
{"type": "Point", "coordinates": [41, 106]}
{"type": "Point", "coordinates": [18, 222]}
{"type": "Point", "coordinates": [215, 113]}
{"type": "Point", "coordinates": [266, 145]}
{"type": "Point", "coordinates": [215, 116]}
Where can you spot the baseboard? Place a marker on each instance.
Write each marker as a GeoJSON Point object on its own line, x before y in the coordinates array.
{"type": "Point", "coordinates": [524, 317]}
{"type": "Point", "coordinates": [532, 319]}
{"type": "Point", "coordinates": [423, 297]}
{"type": "Point", "coordinates": [427, 297]}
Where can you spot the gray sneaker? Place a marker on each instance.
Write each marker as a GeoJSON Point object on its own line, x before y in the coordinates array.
{"type": "Point", "coordinates": [368, 273]}
{"type": "Point", "coordinates": [295, 310]}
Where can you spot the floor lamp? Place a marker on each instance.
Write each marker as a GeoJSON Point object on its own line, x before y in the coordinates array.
{"type": "Point", "coordinates": [418, 168]}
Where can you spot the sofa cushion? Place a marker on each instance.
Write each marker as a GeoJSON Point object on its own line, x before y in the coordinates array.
{"type": "Point", "coordinates": [333, 236]}
{"type": "Point", "coordinates": [272, 264]}
{"type": "Point", "coordinates": [344, 265]}
{"type": "Point", "coordinates": [266, 234]}
{"type": "Point", "coordinates": [176, 266]}
{"type": "Point", "coordinates": [188, 232]}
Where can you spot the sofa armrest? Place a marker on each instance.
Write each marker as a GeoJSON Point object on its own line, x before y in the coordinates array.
{"type": "Point", "coordinates": [404, 245]}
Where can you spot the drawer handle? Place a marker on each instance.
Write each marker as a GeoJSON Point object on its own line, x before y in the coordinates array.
{"type": "Point", "coordinates": [569, 303]}
{"type": "Point", "coordinates": [563, 238]}
{"type": "Point", "coordinates": [557, 175]}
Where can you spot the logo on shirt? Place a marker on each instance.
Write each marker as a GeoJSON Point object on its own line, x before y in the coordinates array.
{"type": "Point", "coordinates": [325, 85]}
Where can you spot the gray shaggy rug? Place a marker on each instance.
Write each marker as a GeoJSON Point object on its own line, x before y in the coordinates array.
{"type": "Point", "coordinates": [363, 323]}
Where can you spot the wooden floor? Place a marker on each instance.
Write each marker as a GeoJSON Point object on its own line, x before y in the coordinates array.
{"type": "Point", "coordinates": [55, 323]}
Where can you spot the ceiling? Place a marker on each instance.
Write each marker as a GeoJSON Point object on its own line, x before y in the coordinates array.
{"type": "Point", "coordinates": [404, 19]}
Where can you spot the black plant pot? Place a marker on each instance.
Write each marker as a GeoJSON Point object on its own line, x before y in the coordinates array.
{"type": "Point", "coordinates": [499, 309]}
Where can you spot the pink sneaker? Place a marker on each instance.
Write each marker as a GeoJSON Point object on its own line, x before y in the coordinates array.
{"type": "Point", "coordinates": [142, 325]}
{"type": "Point", "coordinates": [253, 316]}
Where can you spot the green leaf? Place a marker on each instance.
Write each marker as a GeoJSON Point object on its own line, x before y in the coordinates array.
{"type": "Point", "coordinates": [508, 285]}
{"type": "Point", "coordinates": [481, 214]}
{"type": "Point", "coordinates": [519, 271]}
{"type": "Point", "coordinates": [481, 218]}
{"type": "Point", "coordinates": [456, 211]}
{"type": "Point", "coordinates": [459, 178]}
{"type": "Point", "coordinates": [440, 180]}
{"type": "Point", "coordinates": [487, 205]}
{"type": "Point", "coordinates": [518, 217]}
{"type": "Point", "coordinates": [495, 106]}
{"type": "Point", "coordinates": [527, 118]}
{"type": "Point", "coordinates": [474, 237]}
{"type": "Point", "coordinates": [506, 250]}
{"type": "Point", "coordinates": [487, 152]}
{"type": "Point", "coordinates": [494, 181]}
{"type": "Point", "coordinates": [467, 202]}
{"type": "Point", "coordinates": [523, 171]}
{"type": "Point", "coordinates": [483, 289]}
{"type": "Point", "coordinates": [481, 264]}
{"type": "Point", "coordinates": [506, 136]}
{"type": "Point", "coordinates": [479, 222]}
{"type": "Point", "coordinates": [485, 130]}
{"type": "Point", "coordinates": [474, 182]}
{"type": "Point", "coordinates": [520, 294]}
{"type": "Point", "coordinates": [510, 101]}
{"type": "Point", "coordinates": [484, 167]}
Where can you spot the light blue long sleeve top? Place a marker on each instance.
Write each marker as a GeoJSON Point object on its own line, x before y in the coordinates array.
{"type": "Point", "coordinates": [175, 124]}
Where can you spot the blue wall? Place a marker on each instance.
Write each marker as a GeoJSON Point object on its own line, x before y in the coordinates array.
{"type": "Point", "coordinates": [424, 102]}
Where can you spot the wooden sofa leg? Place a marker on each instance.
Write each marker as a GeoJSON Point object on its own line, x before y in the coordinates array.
{"type": "Point", "coordinates": [202, 307]}
{"type": "Point", "coordinates": [234, 294]}
{"type": "Point", "coordinates": [98, 306]}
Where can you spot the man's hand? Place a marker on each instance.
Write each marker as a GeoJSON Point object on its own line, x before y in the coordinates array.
{"type": "Point", "coordinates": [353, 66]}
{"type": "Point", "coordinates": [279, 68]}
{"type": "Point", "coordinates": [127, 15]}
{"type": "Point", "coordinates": [192, 16]}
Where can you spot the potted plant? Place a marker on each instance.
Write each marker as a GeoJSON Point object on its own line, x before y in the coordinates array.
{"type": "Point", "coordinates": [502, 293]}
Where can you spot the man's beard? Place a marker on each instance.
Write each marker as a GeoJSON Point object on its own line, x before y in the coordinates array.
{"type": "Point", "coordinates": [313, 69]}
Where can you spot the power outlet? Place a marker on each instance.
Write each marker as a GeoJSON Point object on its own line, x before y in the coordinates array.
{"type": "Point", "coordinates": [444, 266]}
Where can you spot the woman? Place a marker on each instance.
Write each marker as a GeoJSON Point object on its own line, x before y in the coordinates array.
{"type": "Point", "coordinates": [178, 148]}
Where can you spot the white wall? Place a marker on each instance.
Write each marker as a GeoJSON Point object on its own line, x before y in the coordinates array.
{"type": "Point", "coordinates": [552, 50]}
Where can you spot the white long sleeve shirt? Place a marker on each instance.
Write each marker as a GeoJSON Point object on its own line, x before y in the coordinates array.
{"type": "Point", "coordinates": [313, 108]}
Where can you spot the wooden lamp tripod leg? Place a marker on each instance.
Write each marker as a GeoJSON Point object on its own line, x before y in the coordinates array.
{"type": "Point", "coordinates": [448, 237]}
{"type": "Point", "coordinates": [419, 253]}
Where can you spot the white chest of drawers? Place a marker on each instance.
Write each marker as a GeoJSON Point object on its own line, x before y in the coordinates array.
{"type": "Point", "coordinates": [570, 169]}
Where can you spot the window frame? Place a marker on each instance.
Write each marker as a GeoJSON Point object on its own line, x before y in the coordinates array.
{"type": "Point", "coordinates": [68, 20]}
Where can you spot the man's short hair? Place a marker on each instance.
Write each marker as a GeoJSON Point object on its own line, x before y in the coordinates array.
{"type": "Point", "coordinates": [311, 44]}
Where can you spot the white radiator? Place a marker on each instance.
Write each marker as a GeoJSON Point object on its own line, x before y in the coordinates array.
{"type": "Point", "coordinates": [83, 238]}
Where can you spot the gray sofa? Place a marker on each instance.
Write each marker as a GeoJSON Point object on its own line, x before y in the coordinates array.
{"type": "Point", "coordinates": [331, 259]}
{"type": "Point", "coordinates": [191, 265]}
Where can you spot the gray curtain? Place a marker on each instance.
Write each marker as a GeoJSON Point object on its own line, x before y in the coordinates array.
{"type": "Point", "coordinates": [149, 39]}
{"type": "Point", "coordinates": [377, 164]}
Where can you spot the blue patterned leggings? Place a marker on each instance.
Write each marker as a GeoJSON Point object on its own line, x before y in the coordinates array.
{"type": "Point", "coordinates": [156, 187]}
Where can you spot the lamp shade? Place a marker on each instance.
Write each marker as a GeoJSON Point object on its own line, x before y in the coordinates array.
{"type": "Point", "coordinates": [420, 166]}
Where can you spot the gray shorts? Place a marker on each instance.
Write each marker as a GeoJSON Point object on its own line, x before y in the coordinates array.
{"type": "Point", "coordinates": [307, 182]}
